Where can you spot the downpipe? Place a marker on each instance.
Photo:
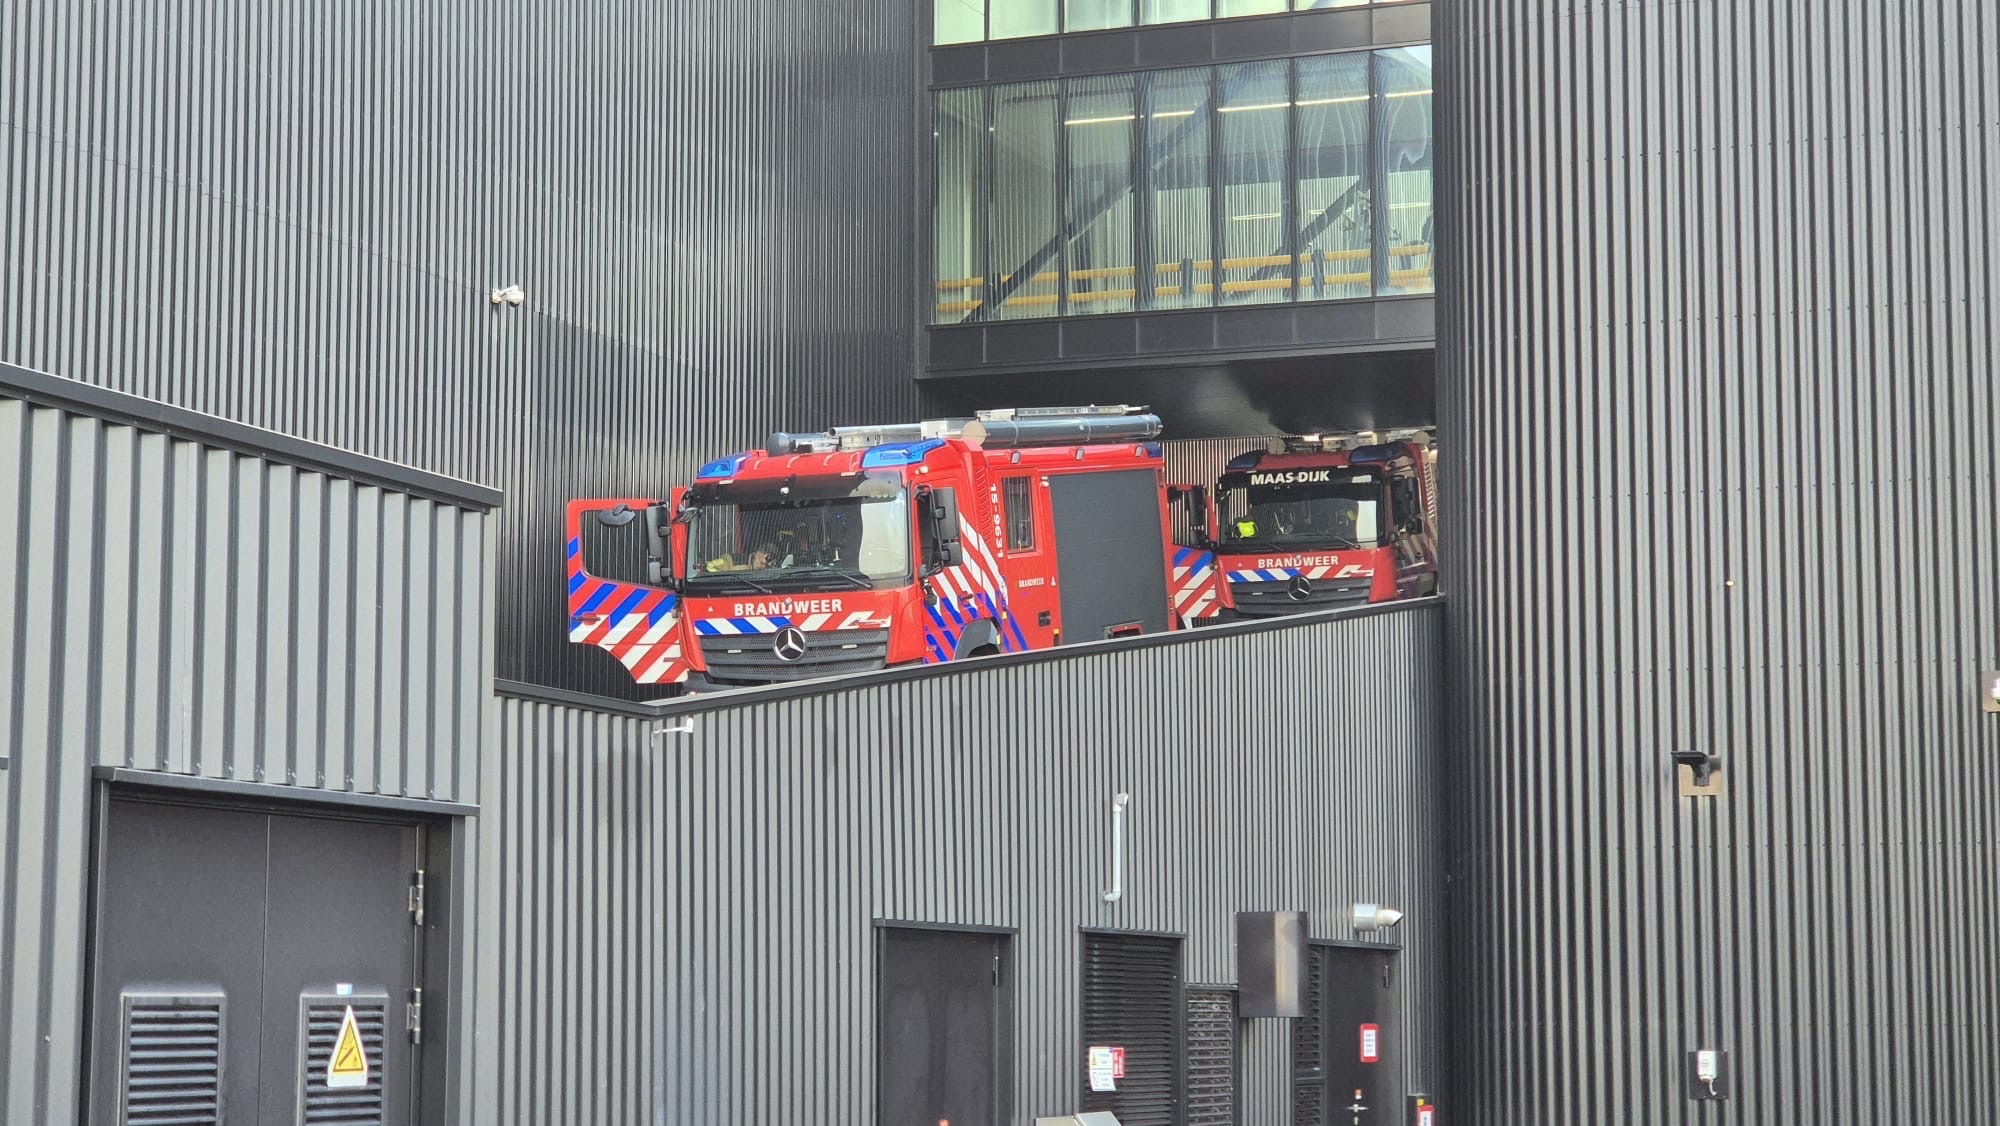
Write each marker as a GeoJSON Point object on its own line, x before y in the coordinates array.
{"type": "Point", "coordinates": [1117, 891]}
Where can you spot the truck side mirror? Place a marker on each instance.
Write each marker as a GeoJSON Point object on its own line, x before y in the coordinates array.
{"type": "Point", "coordinates": [1198, 512]}
{"type": "Point", "coordinates": [941, 528]}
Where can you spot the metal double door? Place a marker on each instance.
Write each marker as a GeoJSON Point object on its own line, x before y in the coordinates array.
{"type": "Point", "coordinates": [230, 945]}
{"type": "Point", "coordinates": [1347, 1050]}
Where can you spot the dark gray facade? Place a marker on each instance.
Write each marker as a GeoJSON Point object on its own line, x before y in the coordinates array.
{"type": "Point", "coordinates": [180, 611]}
{"type": "Point", "coordinates": [292, 216]}
{"type": "Point", "coordinates": [680, 926]}
{"type": "Point", "coordinates": [1718, 383]}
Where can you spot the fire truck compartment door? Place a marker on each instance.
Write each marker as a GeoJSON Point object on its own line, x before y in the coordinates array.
{"type": "Point", "coordinates": [1110, 552]}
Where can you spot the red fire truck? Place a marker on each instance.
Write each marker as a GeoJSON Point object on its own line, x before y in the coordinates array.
{"type": "Point", "coordinates": [866, 547]}
{"type": "Point", "coordinates": [1319, 522]}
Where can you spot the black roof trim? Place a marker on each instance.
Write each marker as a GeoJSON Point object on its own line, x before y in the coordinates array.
{"type": "Point", "coordinates": [117, 406]}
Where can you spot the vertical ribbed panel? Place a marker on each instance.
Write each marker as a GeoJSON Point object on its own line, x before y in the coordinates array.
{"type": "Point", "coordinates": [291, 214]}
{"type": "Point", "coordinates": [1718, 379]}
{"type": "Point", "coordinates": [171, 606]}
{"type": "Point", "coordinates": [1199, 461]}
{"type": "Point", "coordinates": [678, 927]}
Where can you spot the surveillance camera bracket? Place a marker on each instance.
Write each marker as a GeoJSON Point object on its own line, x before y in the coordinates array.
{"type": "Point", "coordinates": [1699, 774]}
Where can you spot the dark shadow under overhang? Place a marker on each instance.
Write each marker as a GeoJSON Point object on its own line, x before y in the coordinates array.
{"type": "Point", "coordinates": [1353, 365]}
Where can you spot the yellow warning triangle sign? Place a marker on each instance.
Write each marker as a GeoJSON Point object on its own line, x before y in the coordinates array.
{"type": "Point", "coordinates": [348, 1067]}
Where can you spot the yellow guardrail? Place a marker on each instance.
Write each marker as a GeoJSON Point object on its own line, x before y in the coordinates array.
{"type": "Point", "coordinates": [1403, 278]}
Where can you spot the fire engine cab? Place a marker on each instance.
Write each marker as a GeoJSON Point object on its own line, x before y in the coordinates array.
{"type": "Point", "coordinates": [860, 548]}
{"type": "Point", "coordinates": [1319, 522]}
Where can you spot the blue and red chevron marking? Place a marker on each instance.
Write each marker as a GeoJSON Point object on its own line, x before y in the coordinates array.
{"type": "Point", "coordinates": [727, 627]}
{"type": "Point", "coordinates": [1197, 591]}
{"type": "Point", "coordinates": [638, 625]}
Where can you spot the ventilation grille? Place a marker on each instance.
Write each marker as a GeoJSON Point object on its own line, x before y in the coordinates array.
{"type": "Point", "coordinates": [320, 1105]}
{"type": "Point", "coordinates": [173, 1060]}
{"type": "Point", "coordinates": [1211, 1054]}
{"type": "Point", "coordinates": [1309, 1047]}
{"type": "Point", "coordinates": [1132, 999]}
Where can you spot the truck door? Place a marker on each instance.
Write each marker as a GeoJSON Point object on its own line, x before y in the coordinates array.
{"type": "Point", "coordinates": [1028, 536]}
{"type": "Point", "coordinates": [620, 567]}
{"type": "Point", "coordinates": [1111, 553]}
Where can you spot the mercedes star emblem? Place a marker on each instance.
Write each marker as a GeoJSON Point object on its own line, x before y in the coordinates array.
{"type": "Point", "coordinates": [790, 644]}
{"type": "Point", "coordinates": [1300, 589]}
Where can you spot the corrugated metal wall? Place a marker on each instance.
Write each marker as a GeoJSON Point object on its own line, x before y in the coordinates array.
{"type": "Point", "coordinates": [175, 607]}
{"type": "Point", "coordinates": [1718, 382]}
{"type": "Point", "coordinates": [291, 214]}
{"type": "Point", "coordinates": [679, 928]}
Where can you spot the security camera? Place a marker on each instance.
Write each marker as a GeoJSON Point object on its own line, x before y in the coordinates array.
{"type": "Point", "coordinates": [1375, 917]}
{"type": "Point", "coordinates": [512, 295]}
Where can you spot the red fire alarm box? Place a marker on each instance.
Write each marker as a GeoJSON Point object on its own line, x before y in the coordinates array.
{"type": "Point", "coordinates": [1423, 1111]}
{"type": "Point", "coordinates": [1371, 1043]}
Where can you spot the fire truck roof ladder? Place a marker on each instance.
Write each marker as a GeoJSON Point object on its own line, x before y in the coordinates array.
{"type": "Point", "coordinates": [1335, 443]}
{"type": "Point", "coordinates": [1015, 426]}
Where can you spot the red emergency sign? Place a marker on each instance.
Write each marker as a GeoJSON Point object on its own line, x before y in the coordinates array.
{"type": "Point", "coordinates": [1117, 1063]}
{"type": "Point", "coordinates": [1371, 1043]}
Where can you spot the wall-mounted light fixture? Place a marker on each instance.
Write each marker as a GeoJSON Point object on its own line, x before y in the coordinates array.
{"type": "Point", "coordinates": [684, 727]}
{"type": "Point", "coordinates": [512, 295]}
{"type": "Point", "coordinates": [1368, 917]}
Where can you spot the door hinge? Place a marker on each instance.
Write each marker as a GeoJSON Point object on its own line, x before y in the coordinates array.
{"type": "Point", "coordinates": [413, 1016]}
{"type": "Point", "coordinates": [417, 899]}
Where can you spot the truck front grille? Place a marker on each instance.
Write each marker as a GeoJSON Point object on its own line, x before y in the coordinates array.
{"type": "Point", "coordinates": [747, 659]}
{"type": "Point", "coordinates": [1273, 597]}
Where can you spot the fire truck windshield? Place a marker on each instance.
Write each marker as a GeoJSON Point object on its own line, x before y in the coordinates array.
{"type": "Point", "coordinates": [1314, 509]}
{"type": "Point", "coordinates": [798, 535]}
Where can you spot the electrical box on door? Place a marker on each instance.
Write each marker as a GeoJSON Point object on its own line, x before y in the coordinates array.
{"type": "Point", "coordinates": [1271, 950]}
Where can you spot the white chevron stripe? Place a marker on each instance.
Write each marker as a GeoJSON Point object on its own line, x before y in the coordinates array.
{"type": "Point", "coordinates": [814, 622]}
{"type": "Point", "coordinates": [658, 671]}
{"type": "Point", "coordinates": [621, 629]}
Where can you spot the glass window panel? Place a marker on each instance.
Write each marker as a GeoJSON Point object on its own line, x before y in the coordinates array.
{"type": "Point", "coordinates": [1172, 11]}
{"type": "Point", "coordinates": [1255, 117]}
{"type": "Point", "coordinates": [1248, 7]}
{"type": "Point", "coordinates": [1024, 263]}
{"type": "Point", "coordinates": [959, 132]}
{"type": "Point", "coordinates": [1181, 223]}
{"type": "Point", "coordinates": [1336, 223]}
{"type": "Point", "coordinates": [1092, 15]}
{"type": "Point", "coordinates": [1098, 129]}
{"type": "Point", "coordinates": [958, 21]}
{"type": "Point", "coordinates": [1404, 114]}
{"type": "Point", "coordinates": [1013, 19]}
{"type": "Point", "coordinates": [1309, 5]}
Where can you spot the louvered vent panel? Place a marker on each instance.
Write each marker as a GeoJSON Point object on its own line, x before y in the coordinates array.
{"type": "Point", "coordinates": [320, 1105]}
{"type": "Point", "coordinates": [173, 1060]}
{"type": "Point", "coordinates": [1132, 999]}
{"type": "Point", "coordinates": [1309, 1048]}
{"type": "Point", "coordinates": [1309, 1103]}
{"type": "Point", "coordinates": [1211, 1057]}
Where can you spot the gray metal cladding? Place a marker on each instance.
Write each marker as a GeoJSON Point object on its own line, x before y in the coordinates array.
{"type": "Point", "coordinates": [1717, 372]}
{"type": "Point", "coordinates": [680, 927]}
{"type": "Point", "coordinates": [173, 607]}
{"type": "Point", "coordinates": [291, 215]}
